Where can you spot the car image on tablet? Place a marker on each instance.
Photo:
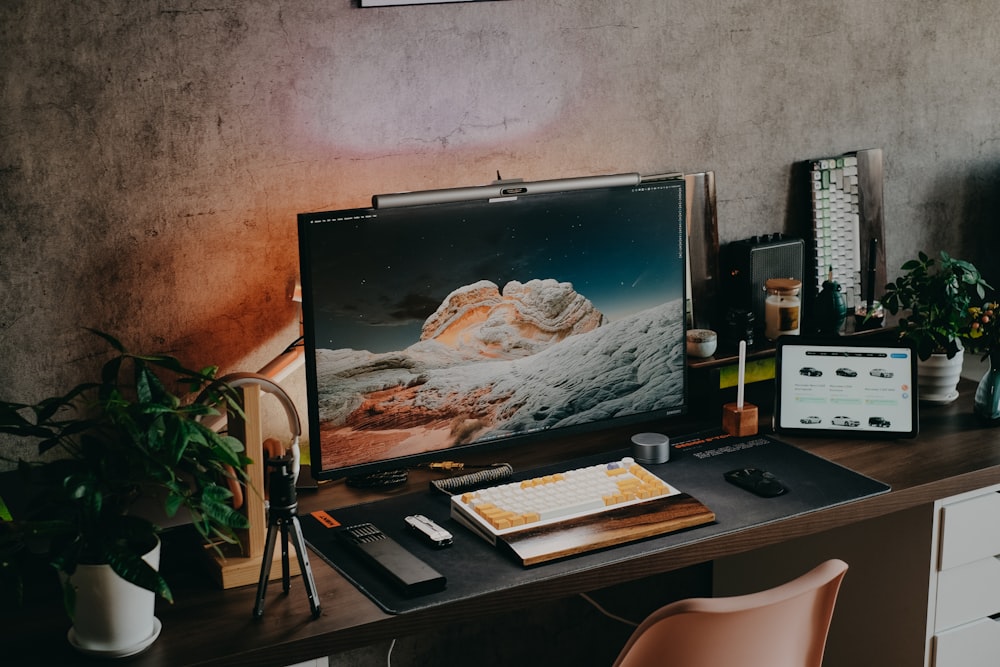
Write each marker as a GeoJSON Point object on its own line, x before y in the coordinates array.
{"type": "Point", "coordinates": [845, 387]}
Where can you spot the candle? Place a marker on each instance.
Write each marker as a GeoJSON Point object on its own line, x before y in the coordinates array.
{"type": "Point", "coordinates": [781, 307]}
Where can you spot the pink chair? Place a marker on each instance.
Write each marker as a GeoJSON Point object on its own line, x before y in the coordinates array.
{"type": "Point", "coordinates": [784, 626]}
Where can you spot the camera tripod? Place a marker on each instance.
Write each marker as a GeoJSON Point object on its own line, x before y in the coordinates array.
{"type": "Point", "coordinates": [281, 515]}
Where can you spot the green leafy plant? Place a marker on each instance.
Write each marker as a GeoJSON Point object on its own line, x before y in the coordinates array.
{"type": "Point", "coordinates": [121, 438]}
{"type": "Point", "coordinates": [934, 296]}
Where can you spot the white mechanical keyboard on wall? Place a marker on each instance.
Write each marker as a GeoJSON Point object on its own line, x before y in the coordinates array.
{"type": "Point", "coordinates": [836, 220]}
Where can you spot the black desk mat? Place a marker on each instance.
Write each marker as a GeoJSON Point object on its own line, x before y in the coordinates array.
{"type": "Point", "coordinates": [473, 567]}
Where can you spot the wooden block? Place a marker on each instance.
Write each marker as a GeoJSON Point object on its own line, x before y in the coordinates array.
{"type": "Point", "coordinates": [606, 529]}
{"type": "Point", "coordinates": [739, 421]}
{"type": "Point", "coordinates": [232, 571]}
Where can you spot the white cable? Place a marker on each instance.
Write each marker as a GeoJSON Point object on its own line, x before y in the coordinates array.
{"type": "Point", "coordinates": [388, 656]}
{"type": "Point", "coordinates": [607, 613]}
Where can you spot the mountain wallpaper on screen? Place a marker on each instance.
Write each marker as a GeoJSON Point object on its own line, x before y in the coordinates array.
{"type": "Point", "coordinates": [492, 363]}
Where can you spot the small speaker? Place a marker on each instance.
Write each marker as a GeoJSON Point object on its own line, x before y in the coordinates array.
{"type": "Point", "coordinates": [651, 447]}
{"type": "Point", "coordinates": [750, 262]}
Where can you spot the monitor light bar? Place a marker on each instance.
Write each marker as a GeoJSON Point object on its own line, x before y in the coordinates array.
{"type": "Point", "coordinates": [502, 189]}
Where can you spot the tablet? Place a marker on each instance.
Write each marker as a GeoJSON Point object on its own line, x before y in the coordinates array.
{"type": "Point", "coordinates": [845, 386]}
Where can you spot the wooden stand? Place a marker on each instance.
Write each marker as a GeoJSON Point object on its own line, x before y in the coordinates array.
{"type": "Point", "coordinates": [739, 421]}
{"type": "Point", "coordinates": [621, 525]}
{"type": "Point", "coordinates": [241, 568]}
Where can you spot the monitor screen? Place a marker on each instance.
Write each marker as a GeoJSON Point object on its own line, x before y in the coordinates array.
{"type": "Point", "coordinates": [442, 326]}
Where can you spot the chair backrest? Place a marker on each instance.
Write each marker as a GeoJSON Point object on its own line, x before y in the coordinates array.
{"type": "Point", "coordinates": [785, 626]}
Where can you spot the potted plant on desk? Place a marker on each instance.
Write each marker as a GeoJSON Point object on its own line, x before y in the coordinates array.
{"type": "Point", "coordinates": [934, 296]}
{"type": "Point", "coordinates": [122, 438]}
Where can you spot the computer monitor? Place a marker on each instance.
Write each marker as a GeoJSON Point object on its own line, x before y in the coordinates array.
{"type": "Point", "coordinates": [431, 328]}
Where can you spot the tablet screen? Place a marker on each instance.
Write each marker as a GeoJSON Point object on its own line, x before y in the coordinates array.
{"type": "Point", "coordinates": [845, 386]}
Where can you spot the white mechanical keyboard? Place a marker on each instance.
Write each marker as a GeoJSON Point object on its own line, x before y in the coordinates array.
{"type": "Point", "coordinates": [551, 499]}
{"type": "Point", "coordinates": [836, 220]}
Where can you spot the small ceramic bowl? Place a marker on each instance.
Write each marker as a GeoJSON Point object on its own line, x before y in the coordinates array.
{"type": "Point", "coordinates": [701, 343]}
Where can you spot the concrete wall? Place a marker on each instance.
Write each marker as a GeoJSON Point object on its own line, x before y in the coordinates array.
{"type": "Point", "coordinates": [154, 154]}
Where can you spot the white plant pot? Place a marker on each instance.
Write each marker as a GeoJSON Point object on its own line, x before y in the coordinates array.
{"type": "Point", "coordinates": [112, 617]}
{"type": "Point", "coordinates": [938, 376]}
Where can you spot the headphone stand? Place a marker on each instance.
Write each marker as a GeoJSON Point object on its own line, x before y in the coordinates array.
{"type": "Point", "coordinates": [244, 567]}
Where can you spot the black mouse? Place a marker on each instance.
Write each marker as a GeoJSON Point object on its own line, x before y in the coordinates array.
{"type": "Point", "coordinates": [757, 481]}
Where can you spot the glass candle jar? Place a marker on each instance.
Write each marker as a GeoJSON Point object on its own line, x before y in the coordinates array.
{"type": "Point", "coordinates": [782, 307]}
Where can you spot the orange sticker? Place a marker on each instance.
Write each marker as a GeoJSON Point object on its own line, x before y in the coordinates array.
{"type": "Point", "coordinates": [700, 441]}
{"type": "Point", "coordinates": [325, 519]}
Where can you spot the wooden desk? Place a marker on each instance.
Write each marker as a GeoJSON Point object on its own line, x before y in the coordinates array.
{"type": "Point", "coordinates": [954, 453]}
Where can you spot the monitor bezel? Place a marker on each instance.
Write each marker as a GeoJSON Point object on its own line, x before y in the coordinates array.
{"type": "Point", "coordinates": [408, 461]}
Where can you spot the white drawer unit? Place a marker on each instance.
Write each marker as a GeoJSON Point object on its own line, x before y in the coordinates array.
{"type": "Point", "coordinates": [964, 603]}
{"type": "Point", "coordinates": [967, 593]}
{"type": "Point", "coordinates": [975, 644]}
{"type": "Point", "coordinates": [970, 529]}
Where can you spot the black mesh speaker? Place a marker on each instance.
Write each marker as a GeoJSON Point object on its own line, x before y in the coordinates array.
{"type": "Point", "coordinates": [749, 263]}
